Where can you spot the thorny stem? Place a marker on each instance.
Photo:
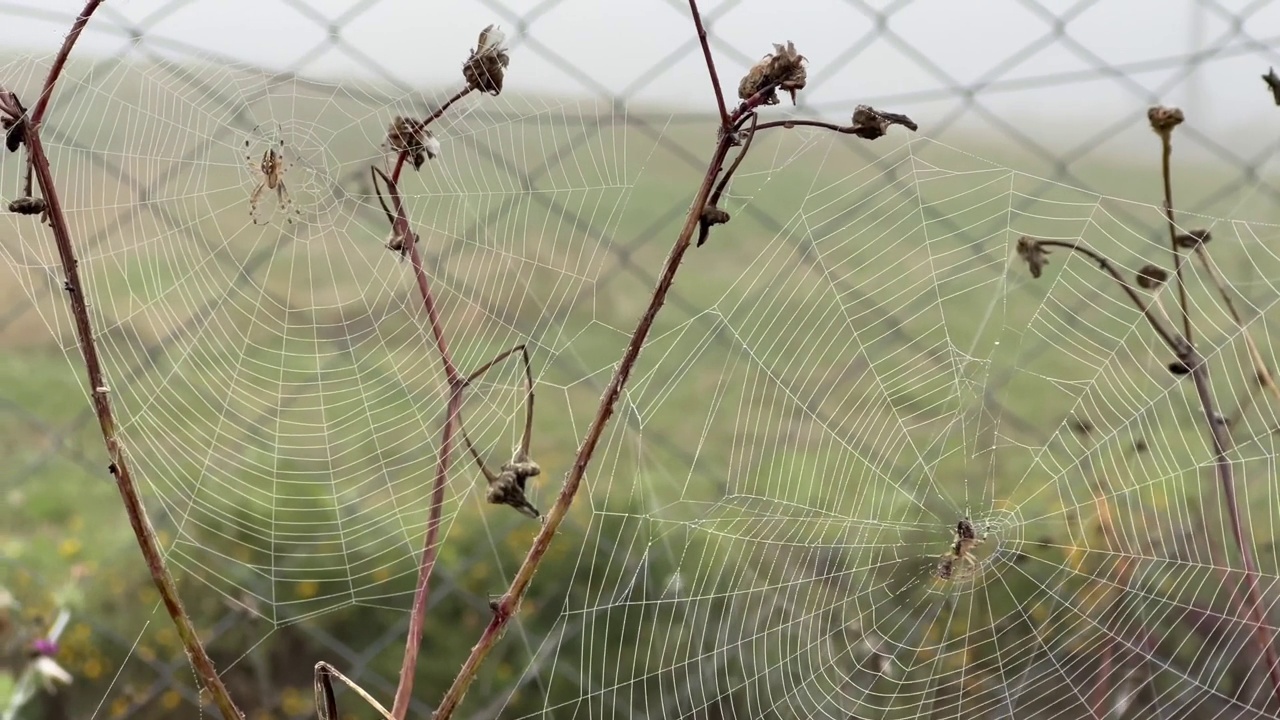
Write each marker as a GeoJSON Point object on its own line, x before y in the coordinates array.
{"type": "Point", "coordinates": [711, 65]}
{"type": "Point", "coordinates": [417, 616]}
{"type": "Point", "coordinates": [1221, 444]}
{"type": "Point", "coordinates": [506, 606]}
{"type": "Point", "coordinates": [119, 464]}
{"type": "Point", "coordinates": [60, 60]}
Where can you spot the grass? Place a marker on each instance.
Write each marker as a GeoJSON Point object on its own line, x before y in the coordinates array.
{"type": "Point", "coordinates": [845, 368]}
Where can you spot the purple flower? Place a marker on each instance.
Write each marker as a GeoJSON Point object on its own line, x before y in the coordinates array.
{"type": "Point", "coordinates": [45, 647]}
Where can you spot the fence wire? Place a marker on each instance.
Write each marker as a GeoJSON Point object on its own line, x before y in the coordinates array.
{"type": "Point", "coordinates": [160, 679]}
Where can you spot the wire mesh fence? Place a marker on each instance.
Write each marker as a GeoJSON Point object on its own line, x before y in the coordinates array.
{"type": "Point", "coordinates": [141, 671]}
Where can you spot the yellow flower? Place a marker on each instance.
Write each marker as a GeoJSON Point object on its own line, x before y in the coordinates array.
{"type": "Point", "coordinates": [70, 548]}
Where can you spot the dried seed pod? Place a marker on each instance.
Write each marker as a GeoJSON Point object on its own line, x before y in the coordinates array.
{"type": "Point", "coordinates": [27, 206]}
{"type": "Point", "coordinates": [411, 136]}
{"type": "Point", "coordinates": [485, 69]}
{"type": "Point", "coordinates": [13, 118]}
{"type": "Point", "coordinates": [782, 69]}
{"type": "Point", "coordinates": [1193, 239]}
{"type": "Point", "coordinates": [1164, 119]}
{"type": "Point", "coordinates": [870, 123]}
{"type": "Point", "coordinates": [1273, 84]}
{"type": "Point", "coordinates": [1033, 254]}
{"type": "Point", "coordinates": [1151, 277]}
{"type": "Point", "coordinates": [711, 215]}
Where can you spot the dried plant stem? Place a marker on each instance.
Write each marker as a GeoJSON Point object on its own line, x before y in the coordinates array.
{"type": "Point", "coordinates": [457, 384]}
{"type": "Point", "coordinates": [506, 607]}
{"type": "Point", "coordinates": [1220, 441]}
{"type": "Point", "coordinates": [1260, 369]}
{"type": "Point", "coordinates": [119, 464]}
{"type": "Point", "coordinates": [1166, 157]}
{"type": "Point", "coordinates": [711, 65]}
{"type": "Point", "coordinates": [60, 60]}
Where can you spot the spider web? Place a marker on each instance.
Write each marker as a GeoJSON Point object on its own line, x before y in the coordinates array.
{"type": "Point", "coordinates": [761, 530]}
{"type": "Point", "coordinates": [277, 385]}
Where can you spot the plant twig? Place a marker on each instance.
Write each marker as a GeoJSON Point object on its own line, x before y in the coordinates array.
{"type": "Point", "coordinates": [711, 65]}
{"type": "Point", "coordinates": [119, 464]}
{"type": "Point", "coordinates": [505, 607]}
{"type": "Point", "coordinates": [1261, 371]}
{"type": "Point", "coordinates": [457, 383]}
{"type": "Point", "coordinates": [1220, 441]}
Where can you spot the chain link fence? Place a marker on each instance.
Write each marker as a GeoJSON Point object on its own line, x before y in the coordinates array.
{"type": "Point", "coordinates": [62, 441]}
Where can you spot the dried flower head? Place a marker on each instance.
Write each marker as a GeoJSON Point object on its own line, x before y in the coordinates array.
{"type": "Point", "coordinates": [508, 488]}
{"type": "Point", "coordinates": [1193, 239]}
{"type": "Point", "coordinates": [782, 69]}
{"type": "Point", "coordinates": [1033, 254]}
{"type": "Point", "coordinates": [1151, 277]}
{"type": "Point", "coordinates": [13, 118]}
{"type": "Point", "coordinates": [1164, 119]}
{"type": "Point", "coordinates": [485, 69]}
{"type": "Point", "coordinates": [870, 123]}
{"type": "Point", "coordinates": [711, 215]}
{"type": "Point", "coordinates": [411, 136]}
{"type": "Point", "coordinates": [28, 206]}
{"type": "Point", "coordinates": [1273, 84]}
{"type": "Point", "coordinates": [399, 242]}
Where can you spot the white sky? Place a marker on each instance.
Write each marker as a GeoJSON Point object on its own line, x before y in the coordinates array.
{"type": "Point", "coordinates": [614, 43]}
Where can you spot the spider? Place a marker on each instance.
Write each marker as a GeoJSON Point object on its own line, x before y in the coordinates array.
{"type": "Point", "coordinates": [507, 486]}
{"type": "Point", "coordinates": [966, 539]}
{"type": "Point", "coordinates": [270, 169]}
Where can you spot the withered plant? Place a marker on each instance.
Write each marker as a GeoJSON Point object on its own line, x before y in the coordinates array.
{"type": "Point", "coordinates": [1187, 360]}
{"type": "Point", "coordinates": [413, 143]}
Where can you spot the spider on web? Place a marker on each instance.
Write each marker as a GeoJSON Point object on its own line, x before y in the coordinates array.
{"type": "Point", "coordinates": [958, 562]}
{"type": "Point", "coordinates": [269, 170]}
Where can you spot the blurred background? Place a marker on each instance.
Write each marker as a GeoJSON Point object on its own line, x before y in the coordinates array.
{"type": "Point", "coordinates": [849, 367]}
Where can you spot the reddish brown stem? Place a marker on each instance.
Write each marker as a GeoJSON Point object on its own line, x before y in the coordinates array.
{"type": "Point", "coordinates": [457, 384]}
{"type": "Point", "coordinates": [60, 60]}
{"type": "Point", "coordinates": [505, 608]}
{"type": "Point", "coordinates": [1220, 442]}
{"type": "Point", "coordinates": [135, 509]}
{"type": "Point", "coordinates": [711, 65]}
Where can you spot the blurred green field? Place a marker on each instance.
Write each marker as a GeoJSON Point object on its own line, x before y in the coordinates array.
{"type": "Point", "coordinates": [853, 363]}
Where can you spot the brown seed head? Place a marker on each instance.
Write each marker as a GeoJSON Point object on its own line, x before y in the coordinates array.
{"type": "Point", "coordinates": [1151, 277]}
{"type": "Point", "coordinates": [870, 123]}
{"type": "Point", "coordinates": [1033, 254]}
{"type": "Point", "coordinates": [411, 136]}
{"type": "Point", "coordinates": [485, 69]}
{"type": "Point", "coordinates": [13, 118]}
{"type": "Point", "coordinates": [1273, 84]}
{"type": "Point", "coordinates": [1193, 239]}
{"type": "Point", "coordinates": [781, 69]}
{"type": "Point", "coordinates": [1164, 119]}
{"type": "Point", "coordinates": [27, 206]}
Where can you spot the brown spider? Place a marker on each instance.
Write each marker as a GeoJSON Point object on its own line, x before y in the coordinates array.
{"type": "Point", "coordinates": [507, 486]}
{"type": "Point", "coordinates": [270, 169]}
{"type": "Point", "coordinates": [966, 539]}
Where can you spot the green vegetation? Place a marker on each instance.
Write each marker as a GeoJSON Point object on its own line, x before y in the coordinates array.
{"type": "Point", "coordinates": [850, 365]}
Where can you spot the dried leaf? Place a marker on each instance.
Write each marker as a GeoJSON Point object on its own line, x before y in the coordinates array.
{"type": "Point", "coordinates": [870, 124]}
{"type": "Point", "coordinates": [1033, 254]}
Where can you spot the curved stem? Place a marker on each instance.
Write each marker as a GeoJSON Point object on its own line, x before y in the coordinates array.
{"type": "Point", "coordinates": [1220, 441]}
{"type": "Point", "coordinates": [711, 65]}
{"type": "Point", "coordinates": [506, 607]}
{"type": "Point", "coordinates": [38, 164]}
